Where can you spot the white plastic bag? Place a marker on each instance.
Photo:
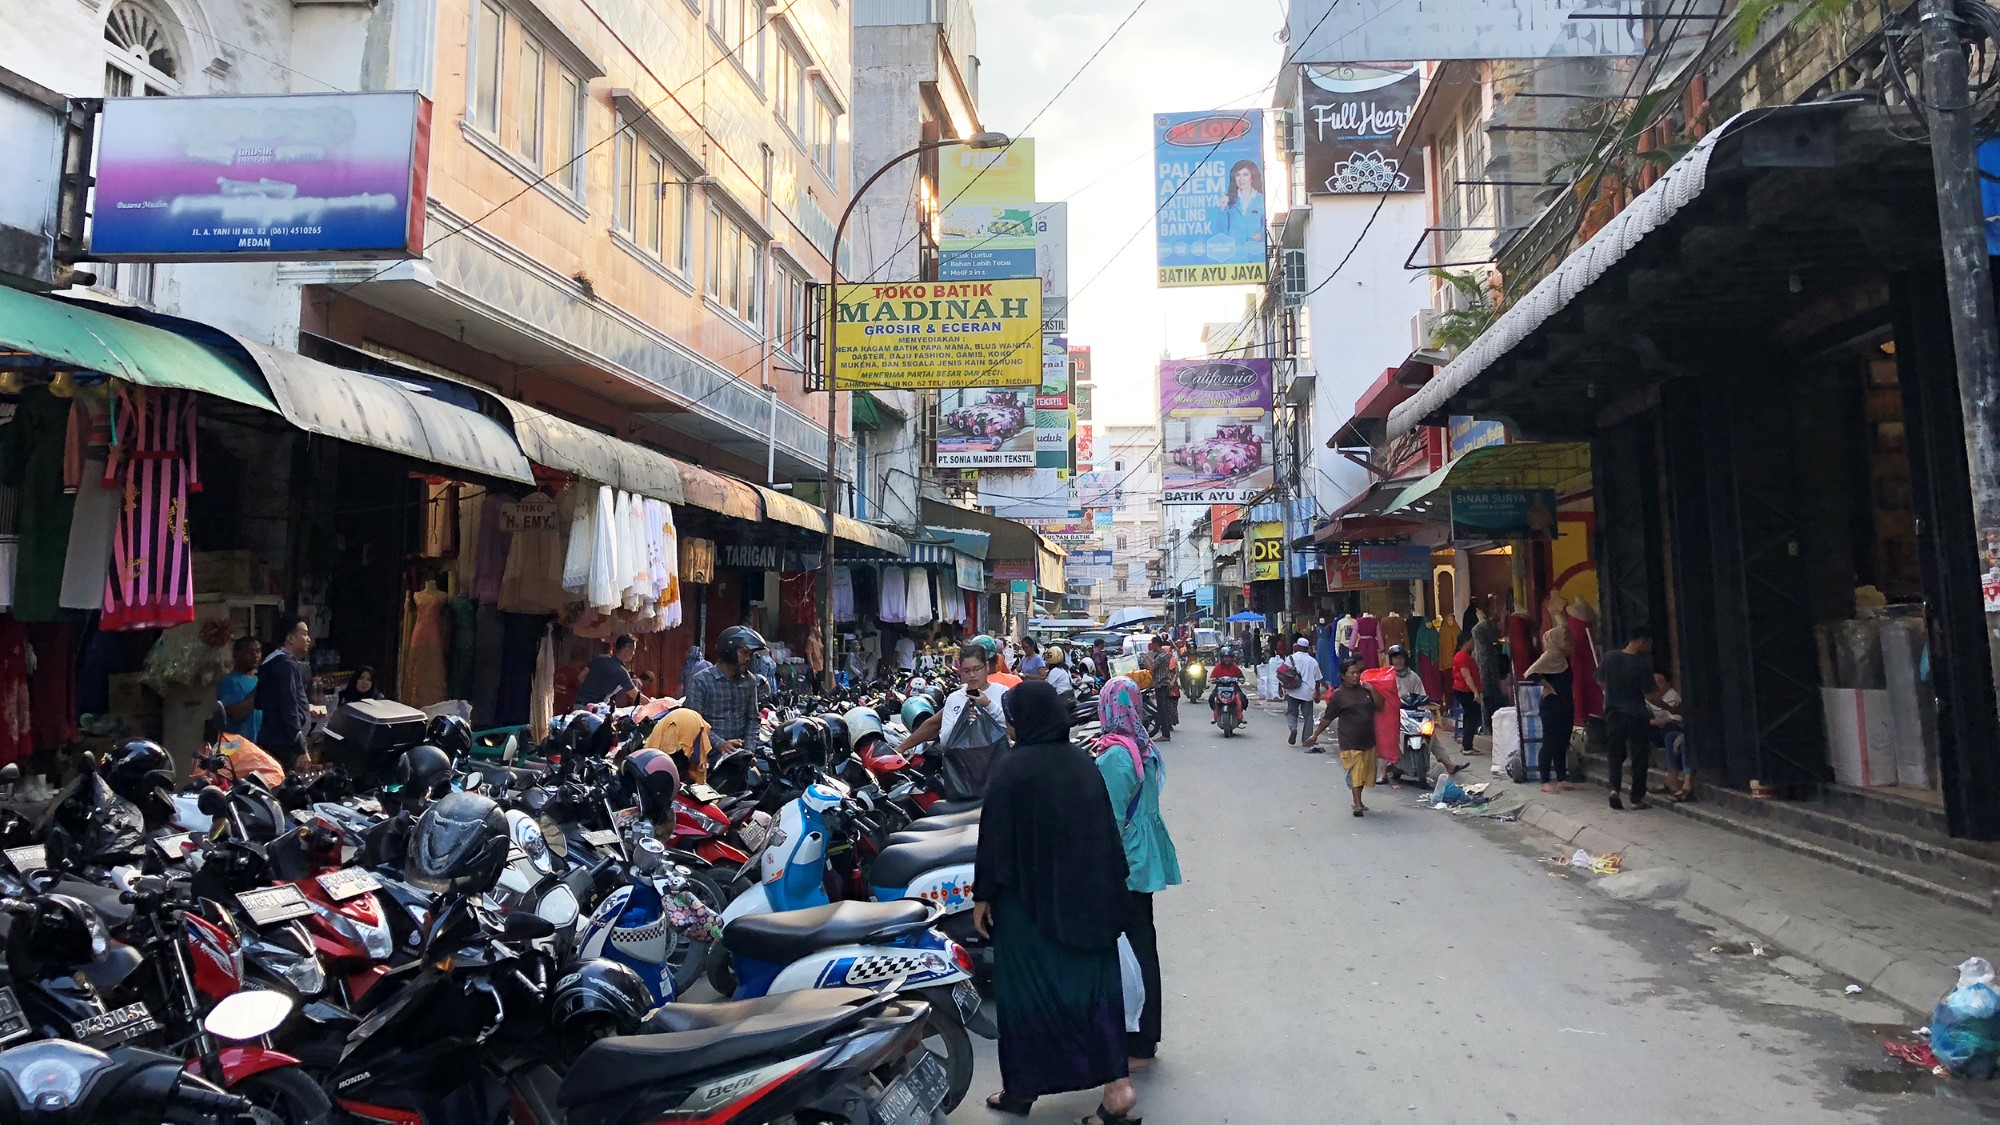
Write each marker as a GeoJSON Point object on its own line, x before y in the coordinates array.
{"type": "Point", "coordinates": [1506, 740]}
{"type": "Point", "coordinates": [1135, 984]}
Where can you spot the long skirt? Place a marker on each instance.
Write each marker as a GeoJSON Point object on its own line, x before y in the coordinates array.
{"type": "Point", "coordinates": [1062, 1010]}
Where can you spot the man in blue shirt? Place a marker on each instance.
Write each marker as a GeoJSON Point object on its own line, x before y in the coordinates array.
{"type": "Point", "coordinates": [238, 690]}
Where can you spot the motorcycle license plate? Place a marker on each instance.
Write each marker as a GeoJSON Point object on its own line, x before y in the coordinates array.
{"type": "Point", "coordinates": [600, 837]}
{"type": "Point", "coordinates": [175, 845]}
{"type": "Point", "coordinates": [114, 1027]}
{"type": "Point", "coordinates": [13, 1024]}
{"type": "Point", "coordinates": [270, 905]}
{"type": "Point", "coordinates": [910, 1099]}
{"type": "Point", "coordinates": [29, 858]}
{"type": "Point", "coordinates": [966, 997]}
{"type": "Point", "coordinates": [349, 882]}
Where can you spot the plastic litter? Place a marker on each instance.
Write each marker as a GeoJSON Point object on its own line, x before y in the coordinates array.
{"type": "Point", "coordinates": [1852, 990]}
{"type": "Point", "coordinates": [1965, 1025]}
{"type": "Point", "coordinates": [1916, 1054]}
{"type": "Point", "coordinates": [1608, 864]}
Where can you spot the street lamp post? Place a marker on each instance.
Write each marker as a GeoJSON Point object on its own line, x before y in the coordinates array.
{"type": "Point", "coordinates": [830, 493]}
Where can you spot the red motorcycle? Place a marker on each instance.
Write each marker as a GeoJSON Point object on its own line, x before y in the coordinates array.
{"type": "Point", "coordinates": [348, 924]}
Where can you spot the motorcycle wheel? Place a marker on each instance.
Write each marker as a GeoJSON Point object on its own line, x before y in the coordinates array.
{"type": "Point", "coordinates": [686, 959]}
{"type": "Point", "coordinates": [945, 1036]}
{"type": "Point", "coordinates": [284, 1096]}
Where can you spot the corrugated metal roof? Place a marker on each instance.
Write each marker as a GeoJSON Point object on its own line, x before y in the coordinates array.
{"type": "Point", "coordinates": [719, 493]}
{"type": "Point", "coordinates": [562, 444]}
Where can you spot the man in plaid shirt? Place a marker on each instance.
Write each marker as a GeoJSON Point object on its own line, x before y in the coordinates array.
{"type": "Point", "coordinates": [725, 693]}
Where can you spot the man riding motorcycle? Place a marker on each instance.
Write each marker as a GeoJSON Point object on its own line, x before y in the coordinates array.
{"type": "Point", "coordinates": [1226, 666]}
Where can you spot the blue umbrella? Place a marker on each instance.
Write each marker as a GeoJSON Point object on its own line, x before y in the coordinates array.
{"type": "Point", "coordinates": [1245, 618]}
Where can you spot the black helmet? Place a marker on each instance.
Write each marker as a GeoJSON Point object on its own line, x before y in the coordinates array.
{"type": "Point", "coordinates": [735, 772]}
{"type": "Point", "coordinates": [650, 779]}
{"type": "Point", "coordinates": [581, 731]}
{"type": "Point", "coordinates": [450, 734]}
{"type": "Point", "coordinates": [838, 744]}
{"type": "Point", "coordinates": [1395, 651]}
{"type": "Point", "coordinates": [599, 998]}
{"type": "Point", "coordinates": [800, 742]}
{"type": "Point", "coordinates": [460, 844]}
{"type": "Point", "coordinates": [735, 638]}
{"type": "Point", "coordinates": [263, 818]}
{"type": "Point", "coordinates": [136, 767]}
{"type": "Point", "coordinates": [419, 776]}
{"type": "Point", "coordinates": [63, 932]}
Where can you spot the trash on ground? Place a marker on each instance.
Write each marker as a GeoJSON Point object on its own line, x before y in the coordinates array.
{"type": "Point", "coordinates": [1916, 1054]}
{"type": "Point", "coordinates": [1965, 1025]}
{"type": "Point", "coordinates": [1608, 864]}
{"type": "Point", "coordinates": [1853, 990]}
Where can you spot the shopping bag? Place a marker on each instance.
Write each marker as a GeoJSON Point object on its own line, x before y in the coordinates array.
{"type": "Point", "coordinates": [1135, 984]}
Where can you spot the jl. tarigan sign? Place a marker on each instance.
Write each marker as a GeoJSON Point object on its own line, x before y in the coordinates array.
{"type": "Point", "coordinates": [929, 335]}
{"type": "Point", "coordinates": [1209, 187]}
{"type": "Point", "coordinates": [275, 177]}
{"type": "Point", "coordinates": [1351, 116]}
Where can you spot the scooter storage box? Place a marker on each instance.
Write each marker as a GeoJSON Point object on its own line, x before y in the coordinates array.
{"type": "Point", "coordinates": [368, 733]}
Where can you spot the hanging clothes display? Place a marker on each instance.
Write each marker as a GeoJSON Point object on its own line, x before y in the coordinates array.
{"type": "Point", "coordinates": [1368, 641]}
{"type": "Point", "coordinates": [535, 563]}
{"type": "Point", "coordinates": [843, 593]}
{"type": "Point", "coordinates": [605, 592]}
{"type": "Point", "coordinates": [670, 562]}
{"type": "Point", "coordinates": [16, 717]}
{"type": "Point", "coordinates": [895, 594]}
{"type": "Point", "coordinates": [582, 539]}
{"type": "Point", "coordinates": [441, 519]}
{"type": "Point", "coordinates": [1447, 639]}
{"type": "Point", "coordinates": [31, 459]}
{"type": "Point", "coordinates": [86, 451]}
{"type": "Point", "coordinates": [542, 696]}
{"type": "Point", "coordinates": [1520, 642]}
{"type": "Point", "coordinates": [490, 553]}
{"type": "Point", "coordinates": [1424, 647]}
{"type": "Point", "coordinates": [424, 680]}
{"type": "Point", "coordinates": [917, 602]}
{"type": "Point", "coordinates": [154, 465]}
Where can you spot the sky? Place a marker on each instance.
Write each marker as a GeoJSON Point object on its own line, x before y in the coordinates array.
{"type": "Point", "coordinates": [1093, 148]}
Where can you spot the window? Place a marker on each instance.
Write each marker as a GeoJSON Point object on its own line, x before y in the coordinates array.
{"type": "Point", "coordinates": [625, 180]}
{"type": "Point", "coordinates": [1117, 466]}
{"type": "Point", "coordinates": [1473, 146]}
{"type": "Point", "coordinates": [788, 311]}
{"type": "Point", "coordinates": [1121, 584]}
{"type": "Point", "coordinates": [739, 26]}
{"type": "Point", "coordinates": [649, 199]}
{"type": "Point", "coordinates": [826, 139]}
{"type": "Point", "coordinates": [733, 259]}
{"type": "Point", "coordinates": [1121, 542]}
{"type": "Point", "coordinates": [647, 232]}
{"type": "Point", "coordinates": [528, 101]}
{"type": "Point", "coordinates": [142, 58]}
{"type": "Point", "coordinates": [788, 97]}
{"type": "Point", "coordinates": [566, 133]}
{"type": "Point", "coordinates": [483, 104]}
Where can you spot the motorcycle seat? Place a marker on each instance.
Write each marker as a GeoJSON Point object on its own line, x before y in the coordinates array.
{"type": "Point", "coordinates": [941, 823]}
{"type": "Point", "coordinates": [917, 835]}
{"type": "Point", "coordinates": [695, 1017]}
{"type": "Point", "coordinates": [104, 900]}
{"type": "Point", "coordinates": [625, 1063]}
{"type": "Point", "coordinates": [900, 864]}
{"type": "Point", "coordinates": [947, 808]}
{"type": "Point", "coordinates": [788, 935]}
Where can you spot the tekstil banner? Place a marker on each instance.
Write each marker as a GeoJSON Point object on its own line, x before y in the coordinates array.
{"type": "Point", "coordinates": [1026, 494]}
{"type": "Point", "coordinates": [1209, 187]}
{"type": "Point", "coordinates": [937, 335]}
{"type": "Point", "coordinates": [1395, 564]}
{"type": "Point", "coordinates": [1054, 421]}
{"type": "Point", "coordinates": [1267, 550]}
{"type": "Point", "coordinates": [1216, 430]}
{"type": "Point", "coordinates": [1351, 115]}
{"type": "Point", "coordinates": [986, 428]}
{"type": "Point", "coordinates": [995, 241]}
{"type": "Point", "coordinates": [1502, 513]}
{"type": "Point", "coordinates": [275, 177]}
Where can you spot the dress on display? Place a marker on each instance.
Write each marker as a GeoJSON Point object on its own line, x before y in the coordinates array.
{"type": "Point", "coordinates": [917, 604]}
{"type": "Point", "coordinates": [895, 594]}
{"type": "Point", "coordinates": [1368, 640]}
{"type": "Point", "coordinates": [843, 593]}
{"type": "Point", "coordinates": [86, 451]}
{"type": "Point", "coordinates": [1424, 650]}
{"type": "Point", "coordinates": [1395, 631]}
{"type": "Point", "coordinates": [424, 670]}
{"type": "Point", "coordinates": [1520, 642]}
{"type": "Point", "coordinates": [32, 446]}
{"type": "Point", "coordinates": [151, 580]}
{"type": "Point", "coordinates": [1343, 636]}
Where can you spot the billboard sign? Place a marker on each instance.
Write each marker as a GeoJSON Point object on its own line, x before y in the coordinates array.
{"type": "Point", "coordinates": [1216, 430]}
{"type": "Point", "coordinates": [970, 176]}
{"type": "Point", "coordinates": [1267, 550]}
{"type": "Point", "coordinates": [1024, 494]}
{"type": "Point", "coordinates": [1337, 31]}
{"type": "Point", "coordinates": [935, 335]}
{"type": "Point", "coordinates": [992, 241]}
{"type": "Point", "coordinates": [1502, 513]}
{"type": "Point", "coordinates": [1053, 418]}
{"type": "Point", "coordinates": [271, 177]}
{"type": "Point", "coordinates": [1468, 433]}
{"type": "Point", "coordinates": [1209, 190]}
{"type": "Point", "coordinates": [1343, 572]}
{"type": "Point", "coordinates": [1351, 116]}
{"type": "Point", "coordinates": [986, 428]}
{"type": "Point", "coordinates": [1394, 564]}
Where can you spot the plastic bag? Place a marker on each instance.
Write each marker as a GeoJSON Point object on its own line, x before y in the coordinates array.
{"type": "Point", "coordinates": [1135, 984]}
{"type": "Point", "coordinates": [1965, 1025]}
{"type": "Point", "coordinates": [1507, 744]}
{"type": "Point", "coordinates": [1447, 791]}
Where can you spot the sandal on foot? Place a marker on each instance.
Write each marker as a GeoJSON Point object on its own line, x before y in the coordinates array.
{"type": "Point", "coordinates": [1001, 1103]}
{"type": "Point", "coordinates": [1106, 1117]}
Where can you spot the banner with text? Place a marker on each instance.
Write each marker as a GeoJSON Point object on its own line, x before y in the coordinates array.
{"type": "Point", "coordinates": [1054, 420]}
{"type": "Point", "coordinates": [1215, 430]}
{"type": "Point", "coordinates": [986, 428]}
{"type": "Point", "coordinates": [1351, 115]}
{"type": "Point", "coordinates": [1209, 192]}
{"type": "Point", "coordinates": [1267, 550]}
{"type": "Point", "coordinates": [936, 335]}
{"type": "Point", "coordinates": [1018, 494]}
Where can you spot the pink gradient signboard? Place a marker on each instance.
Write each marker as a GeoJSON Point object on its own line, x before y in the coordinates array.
{"type": "Point", "coordinates": [280, 177]}
{"type": "Point", "coordinates": [1215, 430]}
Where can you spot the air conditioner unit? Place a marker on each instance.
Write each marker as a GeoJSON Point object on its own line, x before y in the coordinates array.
{"type": "Point", "coordinates": [1286, 125]}
{"type": "Point", "coordinates": [1424, 331]}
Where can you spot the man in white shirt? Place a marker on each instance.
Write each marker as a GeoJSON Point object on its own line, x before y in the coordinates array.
{"type": "Point", "coordinates": [906, 654]}
{"type": "Point", "coordinates": [970, 731]}
{"type": "Point", "coordinates": [1299, 700]}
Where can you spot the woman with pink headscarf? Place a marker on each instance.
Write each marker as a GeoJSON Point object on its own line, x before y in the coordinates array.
{"type": "Point", "coordinates": [1134, 775]}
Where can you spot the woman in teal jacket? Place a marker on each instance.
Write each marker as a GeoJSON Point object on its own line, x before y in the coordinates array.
{"type": "Point", "coordinates": [1134, 775]}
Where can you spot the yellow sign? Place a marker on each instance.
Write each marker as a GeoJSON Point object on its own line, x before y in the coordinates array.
{"type": "Point", "coordinates": [1267, 545]}
{"type": "Point", "coordinates": [968, 175]}
{"type": "Point", "coordinates": [937, 334]}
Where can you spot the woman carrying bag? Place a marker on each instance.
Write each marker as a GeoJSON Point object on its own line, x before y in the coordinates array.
{"type": "Point", "coordinates": [1134, 776]}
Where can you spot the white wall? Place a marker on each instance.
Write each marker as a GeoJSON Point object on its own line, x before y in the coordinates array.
{"type": "Point", "coordinates": [1360, 320]}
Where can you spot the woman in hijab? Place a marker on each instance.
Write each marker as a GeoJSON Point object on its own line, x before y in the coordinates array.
{"type": "Point", "coordinates": [360, 686]}
{"type": "Point", "coordinates": [683, 733]}
{"type": "Point", "coordinates": [1134, 775]}
{"type": "Point", "coordinates": [1049, 892]}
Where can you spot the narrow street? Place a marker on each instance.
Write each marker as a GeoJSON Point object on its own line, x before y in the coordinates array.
{"type": "Point", "coordinates": [1413, 966]}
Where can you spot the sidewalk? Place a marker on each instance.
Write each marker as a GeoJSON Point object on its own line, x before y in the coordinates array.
{"type": "Point", "coordinates": [1904, 945]}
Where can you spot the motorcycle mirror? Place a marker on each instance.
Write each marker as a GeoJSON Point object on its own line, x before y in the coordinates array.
{"type": "Point", "coordinates": [526, 927]}
{"type": "Point", "coordinates": [212, 801]}
{"type": "Point", "coordinates": [242, 1016]}
{"type": "Point", "coordinates": [473, 781]}
{"type": "Point", "coordinates": [10, 773]}
{"type": "Point", "coordinates": [87, 762]}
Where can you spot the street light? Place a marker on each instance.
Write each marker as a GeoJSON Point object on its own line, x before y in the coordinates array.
{"type": "Point", "coordinates": [979, 141]}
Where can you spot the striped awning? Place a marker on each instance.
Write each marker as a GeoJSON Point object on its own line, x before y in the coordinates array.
{"type": "Point", "coordinates": [933, 554]}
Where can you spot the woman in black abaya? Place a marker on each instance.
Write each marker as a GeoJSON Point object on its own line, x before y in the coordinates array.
{"type": "Point", "coordinates": [1049, 891]}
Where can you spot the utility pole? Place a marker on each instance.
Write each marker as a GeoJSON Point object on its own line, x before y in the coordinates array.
{"type": "Point", "coordinates": [1968, 286]}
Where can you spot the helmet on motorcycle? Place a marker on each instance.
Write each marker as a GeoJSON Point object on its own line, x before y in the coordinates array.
{"type": "Point", "coordinates": [837, 736]}
{"type": "Point", "coordinates": [136, 767]}
{"type": "Point", "coordinates": [916, 709]}
{"type": "Point", "coordinates": [800, 742]}
{"type": "Point", "coordinates": [460, 844]}
{"type": "Point", "coordinates": [580, 732]}
{"type": "Point", "coordinates": [650, 779]}
{"type": "Point", "coordinates": [263, 818]}
{"type": "Point", "coordinates": [1395, 651]}
{"type": "Point", "coordinates": [735, 639]}
{"type": "Point", "coordinates": [419, 776]}
{"type": "Point", "coordinates": [1053, 654]}
{"type": "Point", "coordinates": [451, 734]}
{"type": "Point", "coordinates": [863, 725]}
{"type": "Point", "coordinates": [63, 932]}
{"type": "Point", "coordinates": [598, 998]}
{"type": "Point", "coordinates": [735, 772]}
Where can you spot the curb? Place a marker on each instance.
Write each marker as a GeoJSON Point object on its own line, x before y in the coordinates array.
{"type": "Point", "coordinates": [1912, 981]}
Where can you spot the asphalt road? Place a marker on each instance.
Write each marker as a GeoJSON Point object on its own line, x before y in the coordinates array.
{"type": "Point", "coordinates": [1415, 966]}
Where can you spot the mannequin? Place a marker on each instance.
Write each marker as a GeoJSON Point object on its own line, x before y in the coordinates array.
{"type": "Point", "coordinates": [1492, 662]}
{"type": "Point", "coordinates": [1323, 650]}
{"type": "Point", "coordinates": [1520, 641]}
{"type": "Point", "coordinates": [1581, 624]}
{"type": "Point", "coordinates": [424, 673]}
{"type": "Point", "coordinates": [1343, 636]}
{"type": "Point", "coordinates": [1424, 651]}
{"type": "Point", "coordinates": [1395, 631]}
{"type": "Point", "coordinates": [1368, 640]}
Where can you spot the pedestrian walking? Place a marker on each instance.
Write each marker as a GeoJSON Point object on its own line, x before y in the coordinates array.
{"type": "Point", "coordinates": [970, 730]}
{"type": "Point", "coordinates": [1166, 686]}
{"type": "Point", "coordinates": [1558, 710]}
{"type": "Point", "coordinates": [1351, 709]}
{"type": "Point", "coordinates": [1299, 679]}
{"type": "Point", "coordinates": [1050, 892]}
{"type": "Point", "coordinates": [1134, 775]}
{"type": "Point", "coordinates": [282, 685]}
{"type": "Point", "coordinates": [1627, 675]}
{"type": "Point", "coordinates": [1465, 689]}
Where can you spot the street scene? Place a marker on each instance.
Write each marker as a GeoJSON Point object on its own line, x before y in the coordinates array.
{"type": "Point", "coordinates": [905, 562]}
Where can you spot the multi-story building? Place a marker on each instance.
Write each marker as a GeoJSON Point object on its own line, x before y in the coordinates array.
{"type": "Point", "coordinates": [1130, 454]}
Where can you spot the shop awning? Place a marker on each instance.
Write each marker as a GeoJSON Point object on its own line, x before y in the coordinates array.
{"type": "Point", "coordinates": [562, 444]}
{"type": "Point", "coordinates": [88, 340]}
{"type": "Point", "coordinates": [719, 493]}
{"type": "Point", "coordinates": [790, 509]}
{"type": "Point", "coordinates": [868, 535]}
{"type": "Point", "coordinates": [402, 416]}
{"type": "Point", "coordinates": [1560, 465]}
{"type": "Point", "coordinates": [967, 541]}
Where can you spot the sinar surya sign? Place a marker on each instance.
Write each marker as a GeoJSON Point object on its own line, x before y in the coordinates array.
{"type": "Point", "coordinates": [926, 335]}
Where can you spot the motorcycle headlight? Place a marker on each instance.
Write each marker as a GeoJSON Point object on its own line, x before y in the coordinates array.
{"type": "Point", "coordinates": [301, 970]}
{"type": "Point", "coordinates": [1426, 728]}
{"type": "Point", "coordinates": [374, 940]}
